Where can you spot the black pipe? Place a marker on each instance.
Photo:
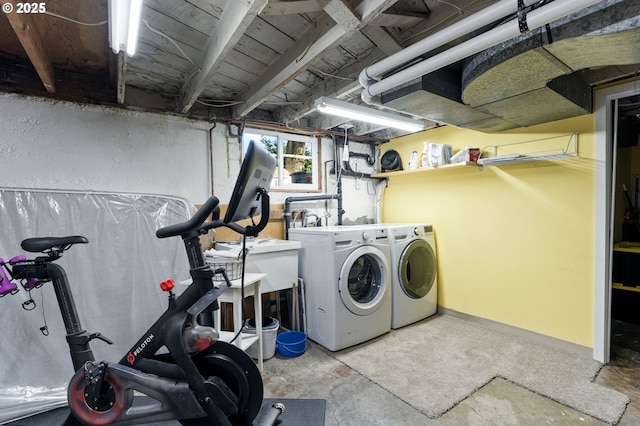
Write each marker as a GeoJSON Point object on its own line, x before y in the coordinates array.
{"type": "Point", "coordinates": [338, 196]}
{"type": "Point", "coordinates": [348, 171]}
{"type": "Point", "coordinates": [338, 181]}
{"type": "Point", "coordinates": [346, 166]}
{"type": "Point", "coordinates": [367, 157]}
{"type": "Point", "coordinates": [351, 173]}
{"type": "Point", "coordinates": [289, 200]}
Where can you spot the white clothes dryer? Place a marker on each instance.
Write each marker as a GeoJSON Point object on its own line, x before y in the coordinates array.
{"type": "Point", "coordinates": [347, 283]}
{"type": "Point", "coordinates": [414, 289]}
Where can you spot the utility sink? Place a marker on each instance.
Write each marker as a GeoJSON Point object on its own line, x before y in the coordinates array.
{"type": "Point", "coordinates": [276, 258]}
{"type": "Point", "coordinates": [268, 245]}
{"type": "Point", "coordinates": [263, 245]}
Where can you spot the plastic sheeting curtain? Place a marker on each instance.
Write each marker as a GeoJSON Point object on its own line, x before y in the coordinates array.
{"type": "Point", "coordinates": [114, 280]}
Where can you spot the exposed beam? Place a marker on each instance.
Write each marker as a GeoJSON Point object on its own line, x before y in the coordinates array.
{"type": "Point", "coordinates": [291, 7]}
{"type": "Point", "coordinates": [336, 88]}
{"type": "Point", "coordinates": [33, 44]}
{"type": "Point", "coordinates": [236, 17]}
{"type": "Point", "coordinates": [341, 13]}
{"type": "Point", "coordinates": [381, 38]}
{"type": "Point", "coordinates": [439, 18]}
{"type": "Point", "coordinates": [331, 87]}
{"type": "Point", "coordinates": [324, 35]}
{"type": "Point", "coordinates": [397, 19]}
{"type": "Point", "coordinates": [312, 43]}
{"type": "Point", "coordinates": [344, 17]}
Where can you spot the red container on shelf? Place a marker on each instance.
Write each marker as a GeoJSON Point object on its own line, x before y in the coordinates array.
{"type": "Point", "coordinates": [474, 154]}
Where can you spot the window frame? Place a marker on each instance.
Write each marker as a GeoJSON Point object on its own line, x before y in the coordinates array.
{"type": "Point", "coordinates": [281, 137]}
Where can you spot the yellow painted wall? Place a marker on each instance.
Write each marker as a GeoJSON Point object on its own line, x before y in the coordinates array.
{"type": "Point", "coordinates": [515, 243]}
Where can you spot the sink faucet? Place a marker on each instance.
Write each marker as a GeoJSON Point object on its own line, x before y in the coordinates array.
{"type": "Point", "coordinates": [306, 219]}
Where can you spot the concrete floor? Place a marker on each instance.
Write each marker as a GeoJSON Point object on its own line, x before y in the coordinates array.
{"type": "Point", "coordinates": [352, 399]}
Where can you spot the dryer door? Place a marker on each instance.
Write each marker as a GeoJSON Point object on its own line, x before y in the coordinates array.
{"type": "Point", "coordinates": [363, 280]}
{"type": "Point", "coordinates": [417, 269]}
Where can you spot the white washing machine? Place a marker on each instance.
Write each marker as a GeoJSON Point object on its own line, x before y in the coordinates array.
{"type": "Point", "coordinates": [347, 283]}
{"type": "Point", "coordinates": [414, 289]}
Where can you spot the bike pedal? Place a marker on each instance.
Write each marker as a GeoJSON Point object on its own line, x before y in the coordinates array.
{"type": "Point", "coordinates": [222, 396]}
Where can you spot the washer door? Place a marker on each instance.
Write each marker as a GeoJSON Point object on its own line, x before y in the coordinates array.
{"type": "Point", "coordinates": [363, 280]}
{"type": "Point", "coordinates": [417, 269]}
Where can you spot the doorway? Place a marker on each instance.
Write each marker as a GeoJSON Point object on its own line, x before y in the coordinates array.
{"type": "Point", "coordinates": [607, 103]}
{"type": "Point", "coordinates": [625, 270]}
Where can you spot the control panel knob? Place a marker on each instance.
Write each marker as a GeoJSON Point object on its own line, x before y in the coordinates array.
{"type": "Point", "coordinates": [167, 285]}
{"type": "Point", "coordinates": [365, 236]}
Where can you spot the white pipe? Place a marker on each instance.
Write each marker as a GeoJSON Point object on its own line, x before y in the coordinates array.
{"type": "Point", "coordinates": [477, 20]}
{"type": "Point", "coordinates": [378, 205]}
{"type": "Point", "coordinates": [535, 19]}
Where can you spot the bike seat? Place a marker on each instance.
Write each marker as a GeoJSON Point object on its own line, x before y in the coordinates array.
{"type": "Point", "coordinates": [41, 244]}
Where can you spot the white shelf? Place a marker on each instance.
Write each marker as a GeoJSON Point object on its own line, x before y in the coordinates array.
{"type": "Point", "coordinates": [243, 341]}
{"type": "Point", "coordinates": [552, 148]}
{"type": "Point", "coordinates": [545, 149]}
{"type": "Point", "coordinates": [424, 170]}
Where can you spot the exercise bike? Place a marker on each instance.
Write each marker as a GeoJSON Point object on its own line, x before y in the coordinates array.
{"type": "Point", "coordinates": [199, 380]}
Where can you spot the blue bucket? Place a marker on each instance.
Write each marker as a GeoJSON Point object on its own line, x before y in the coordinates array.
{"type": "Point", "coordinates": [291, 343]}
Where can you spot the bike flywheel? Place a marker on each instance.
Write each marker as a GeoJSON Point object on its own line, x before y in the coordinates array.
{"type": "Point", "coordinates": [239, 373]}
{"type": "Point", "coordinates": [114, 401]}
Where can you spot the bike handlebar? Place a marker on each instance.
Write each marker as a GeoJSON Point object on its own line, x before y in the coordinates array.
{"type": "Point", "coordinates": [192, 224]}
{"type": "Point", "coordinates": [196, 225]}
{"type": "Point", "coordinates": [249, 231]}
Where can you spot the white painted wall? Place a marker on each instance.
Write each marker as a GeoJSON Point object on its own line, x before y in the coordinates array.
{"type": "Point", "coordinates": [62, 145]}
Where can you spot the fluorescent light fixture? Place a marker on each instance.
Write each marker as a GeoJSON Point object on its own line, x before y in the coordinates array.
{"type": "Point", "coordinates": [369, 115]}
{"type": "Point", "coordinates": [124, 21]}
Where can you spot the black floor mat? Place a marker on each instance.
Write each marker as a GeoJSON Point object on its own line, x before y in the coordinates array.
{"type": "Point", "coordinates": [307, 412]}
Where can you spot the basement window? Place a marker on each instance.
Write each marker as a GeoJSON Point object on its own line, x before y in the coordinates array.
{"type": "Point", "coordinates": [297, 158]}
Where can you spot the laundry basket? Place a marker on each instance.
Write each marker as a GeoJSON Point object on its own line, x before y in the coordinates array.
{"type": "Point", "coordinates": [231, 265]}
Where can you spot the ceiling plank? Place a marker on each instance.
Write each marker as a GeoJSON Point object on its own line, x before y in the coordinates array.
{"type": "Point", "coordinates": [331, 87]}
{"type": "Point", "coordinates": [33, 44]}
{"type": "Point", "coordinates": [236, 18]}
{"type": "Point", "coordinates": [381, 38]}
{"type": "Point", "coordinates": [291, 7]}
{"type": "Point", "coordinates": [319, 38]}
{"type": "Point", "coordinates": [296, 59]}
{"type": "Point", "coordinates": [399, 19]}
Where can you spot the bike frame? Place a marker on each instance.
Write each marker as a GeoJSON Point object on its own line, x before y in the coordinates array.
{"type": "Point", "coordinates": [172, 379]}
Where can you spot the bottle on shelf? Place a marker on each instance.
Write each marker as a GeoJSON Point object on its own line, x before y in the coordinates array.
{"type": "Point", "coordinates": [424, 157]}
{"type": "Point", "coordinates": [413, 160]}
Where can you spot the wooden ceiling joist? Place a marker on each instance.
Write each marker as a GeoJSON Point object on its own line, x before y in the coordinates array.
{"type": "Point", "coordinates": [291, 7]}
{"type": "Point", "coordinates": [326, 33]}
{"type": "Point", "coordinates": [33, 44]}
{"type": "Point", "coordinates": [236, 18]}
